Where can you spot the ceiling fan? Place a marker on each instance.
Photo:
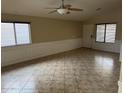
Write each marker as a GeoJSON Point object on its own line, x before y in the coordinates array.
{"type": "Point", "coordinates": [64, 9]}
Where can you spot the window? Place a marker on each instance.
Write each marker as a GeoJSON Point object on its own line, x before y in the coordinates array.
{"type": "Point", "coordinates": [15, 34]}
{"type": "Point", "coordinates": [110, 33]}
{"type": "Point", "coordinates": [106, 33]}
{"type": "Point", "coordinates": [100, 33]}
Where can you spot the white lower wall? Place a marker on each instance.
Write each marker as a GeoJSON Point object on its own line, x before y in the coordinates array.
{"type": "Point", "coordinates": [111, 47]}
{"type": "Point", "coordinates": [16, 54]}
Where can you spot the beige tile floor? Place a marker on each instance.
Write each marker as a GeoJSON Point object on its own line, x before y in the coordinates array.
{"type": "Point", "coordinates": [77, 71]}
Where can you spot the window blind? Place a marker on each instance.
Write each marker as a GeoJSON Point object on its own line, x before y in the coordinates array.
{"type": "Point", "coordinates": [110, 33]}
{"type": "Point", "coordinates": [100, 33]}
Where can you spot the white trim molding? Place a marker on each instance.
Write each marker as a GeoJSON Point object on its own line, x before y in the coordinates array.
{"type": "Point", "coordinates": [120, 81]}
{"type": "Point", "coordinates": [17, 54]}
{"type": "Point", "coordinates": [119, 86]}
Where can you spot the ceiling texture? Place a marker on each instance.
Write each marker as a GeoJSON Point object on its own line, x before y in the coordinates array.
{"type": "Point", "coordinates": [37, 8]}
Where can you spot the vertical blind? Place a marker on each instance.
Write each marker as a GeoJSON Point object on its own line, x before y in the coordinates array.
{"type": "Point", "coordinates": [106, 33]}
{"type": "Point", "coordinates": [7, 34]}
{"type": "Point", "coordinates": [15, 34]}
{"type": "Point", "coordinates": [110, 33]}
{"type": "Point", "coordinates": [100, 33]}
{"type": "Point", "coordinates": [22, 33]}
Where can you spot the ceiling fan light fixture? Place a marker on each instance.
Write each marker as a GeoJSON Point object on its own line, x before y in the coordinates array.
{"type": "Point", "coordinates": [62, 11]}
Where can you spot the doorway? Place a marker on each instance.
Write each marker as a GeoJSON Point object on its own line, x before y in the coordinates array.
{"type": "Point", "coordinates": [88, 35]}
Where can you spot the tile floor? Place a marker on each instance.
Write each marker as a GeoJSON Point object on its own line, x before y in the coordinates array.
{"type": "Point", "coordinates": [77, 71]}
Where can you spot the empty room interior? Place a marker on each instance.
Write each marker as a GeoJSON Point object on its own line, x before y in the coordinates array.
{"type": "Point", "coordinates": [61, 46]}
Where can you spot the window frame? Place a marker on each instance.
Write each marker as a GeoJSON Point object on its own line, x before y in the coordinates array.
{"type": "Point", "coordinates": [104, 33]}
{"type": "Point", "coordinates": [14, 22]}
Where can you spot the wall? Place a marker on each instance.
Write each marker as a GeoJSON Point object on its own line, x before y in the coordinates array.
{"type": "Point", "coordinates": [12, 55]}
{"type": "Point", "coordinates": [120, 79]}
{"type": "Point", "coordinates": [49, 36]}
{"type": "Point", "coordinates": [45, 29]}
{"type": "Point", "coordinates": [106, 18]}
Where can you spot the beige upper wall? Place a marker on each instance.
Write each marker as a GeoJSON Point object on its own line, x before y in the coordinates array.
{"type": "Point", "coordinates": [114, 17]}
{"type": "Point", "coordinates": [45, 30]}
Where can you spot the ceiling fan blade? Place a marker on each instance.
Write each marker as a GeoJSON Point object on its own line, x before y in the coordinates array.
{"type": "Point", "coordinates": [52, 11]}
{"type": "Point", "coordinates": [75, 9]}
{"type": "Point", "coordinates": [51, 8]}
{"type": "Point", "coordinates": [67, 6]}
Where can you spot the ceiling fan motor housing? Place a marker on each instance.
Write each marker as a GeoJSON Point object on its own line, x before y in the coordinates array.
{"type": "Point", "coordinates": [62, 11]}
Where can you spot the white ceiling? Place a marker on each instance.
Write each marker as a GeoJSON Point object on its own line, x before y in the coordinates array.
{"type": "Point", "coordinates": [37, 8]}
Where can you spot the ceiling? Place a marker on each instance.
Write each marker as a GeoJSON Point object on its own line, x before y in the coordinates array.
{"type": "Point", "coordinates": [37, 8]}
